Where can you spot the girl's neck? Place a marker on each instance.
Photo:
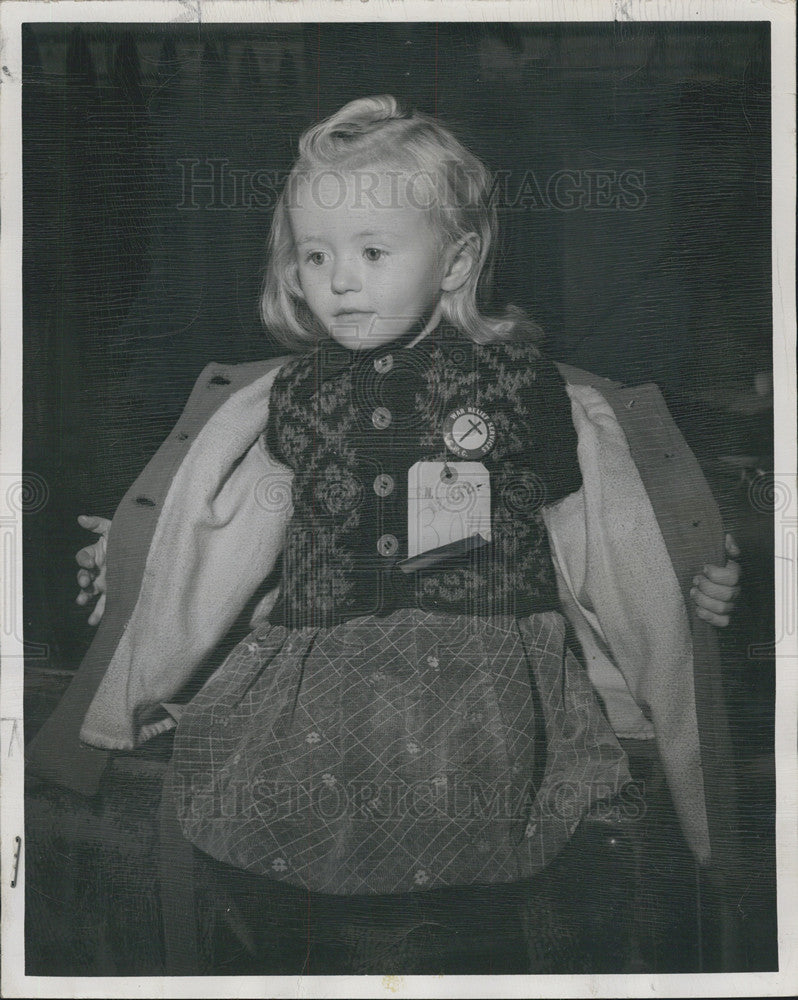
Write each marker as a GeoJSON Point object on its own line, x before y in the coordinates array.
{"type": "Point", "coordinates": [429, 326]}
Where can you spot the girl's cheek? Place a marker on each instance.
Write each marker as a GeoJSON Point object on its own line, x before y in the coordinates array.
{"type": "Point", "coordinates": [313, 276]}
{"type": "Point", "coordinates": [307, 283]}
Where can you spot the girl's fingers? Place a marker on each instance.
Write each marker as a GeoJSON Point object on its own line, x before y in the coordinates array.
{"type": "Point", "coordinates": [711, 604]}
{"type": "Point", "coordinates": [728, 574]}
{"type": "Point", "coordinates": [91, 559]}
{"type": "Point", "coordinates": [94, 523]}
{"type": "Point", "coordinates": [720, 591]}
{"type": "Point", "coordinates": [99, 609]}
{"type": "Point", "coordinates": [87, 594]}
{"type": "Point", "coordinates": [732, 548]}
{"type": "Point", "coordinates": [720, 621]}
{"type": "Point", "coordinates": [86, 558]}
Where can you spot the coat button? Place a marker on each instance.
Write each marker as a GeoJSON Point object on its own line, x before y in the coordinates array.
{"type": "Point", "coordinates": [383, 485]}
{"type": "Point", "coordinates": [381, 418]}
{"type": "Point", "coordinates": [384, 364]}
{"type": "Point", "coordinates": [387, 545]}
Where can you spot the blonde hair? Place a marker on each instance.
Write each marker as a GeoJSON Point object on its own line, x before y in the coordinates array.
{"type": "Point", "coordinates": [374, 132]}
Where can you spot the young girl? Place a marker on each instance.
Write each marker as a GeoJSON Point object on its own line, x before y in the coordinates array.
{"type": "Point", "coordinates": [388, 762]}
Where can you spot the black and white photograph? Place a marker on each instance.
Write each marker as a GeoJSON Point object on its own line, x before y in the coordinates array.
{"type": "Point", "coordinates": [398, 499]}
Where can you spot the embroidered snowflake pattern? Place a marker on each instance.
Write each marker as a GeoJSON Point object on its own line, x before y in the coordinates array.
{"type": "Point", "coordinates": [252, 648]}
{"type": "Point", "coordinates": [421, 877]}
{"type": "Point", "coordinates": [279, 865]}
{"type": "Point", "coordinates": [316, 406]}
{"type": "Point", "coordinates": [531, 829]}
{"type": "Point", "coordinates": [433, 662]}
{"type": "Point", "coordinates": [413, 747]}
{"type": "Point", "coordinates": [313, 738]}
{"type": "Point", "coordinates": [328, 780]}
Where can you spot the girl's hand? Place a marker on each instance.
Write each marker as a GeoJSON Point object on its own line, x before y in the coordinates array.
{"type": "Point", "coordinates": [716, 589]}
{"type": "Point", "coordinates": [91, 559]}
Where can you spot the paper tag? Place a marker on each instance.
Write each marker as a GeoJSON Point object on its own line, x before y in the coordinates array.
{"type": "Point", "coordinates": [446, 502]}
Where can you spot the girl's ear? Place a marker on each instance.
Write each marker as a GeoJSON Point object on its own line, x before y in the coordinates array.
{"type": "Point", "coordinates": [462, 259]}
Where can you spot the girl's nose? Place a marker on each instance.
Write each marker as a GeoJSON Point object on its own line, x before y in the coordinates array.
{"type": "Point", "coordinates": [345, 277]}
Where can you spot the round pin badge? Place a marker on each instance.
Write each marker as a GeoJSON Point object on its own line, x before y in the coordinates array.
{"type": "Point", "coordinates": [469, 432]}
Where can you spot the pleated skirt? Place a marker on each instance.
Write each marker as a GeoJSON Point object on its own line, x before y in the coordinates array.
{"type": "Point", "coordinates": [394, 754]}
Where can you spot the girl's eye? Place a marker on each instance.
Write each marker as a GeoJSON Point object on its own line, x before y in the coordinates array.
{"type": "Point", "coordinates": [315, 257]}
{"type": "Point", "coordinates": [373, 253]}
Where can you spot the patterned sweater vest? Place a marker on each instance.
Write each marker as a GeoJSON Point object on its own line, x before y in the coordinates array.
{"type": "Point", "coordinates": [350, 424]}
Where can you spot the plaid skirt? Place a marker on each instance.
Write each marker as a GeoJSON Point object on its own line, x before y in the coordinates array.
{"type": "Point", "coordinates": [396, 754]}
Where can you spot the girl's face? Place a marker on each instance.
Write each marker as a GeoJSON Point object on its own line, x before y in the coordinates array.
{"type": "Point", "coordinates": [369, 263]}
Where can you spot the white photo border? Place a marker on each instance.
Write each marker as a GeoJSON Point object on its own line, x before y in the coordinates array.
{"type": "Point", "coordinates": [13, 13]}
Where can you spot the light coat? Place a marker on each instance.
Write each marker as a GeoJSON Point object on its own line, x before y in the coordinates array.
{"type": "Point", "coordinates": [201, 529]}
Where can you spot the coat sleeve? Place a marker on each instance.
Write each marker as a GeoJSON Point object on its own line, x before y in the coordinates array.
{"type": "Point", "coordinates": [621, 572]}
{"type": "Point", "coordinates": [57, 751]}
{"type": "Point", "coordinates": [692, 531]}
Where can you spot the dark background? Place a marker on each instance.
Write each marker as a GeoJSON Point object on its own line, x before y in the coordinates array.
{"type": "Point", "coordinates": [129, 292]}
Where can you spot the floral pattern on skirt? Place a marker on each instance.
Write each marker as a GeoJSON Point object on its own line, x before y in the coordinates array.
{"type": "Point", "coordinates": [387, 755]}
